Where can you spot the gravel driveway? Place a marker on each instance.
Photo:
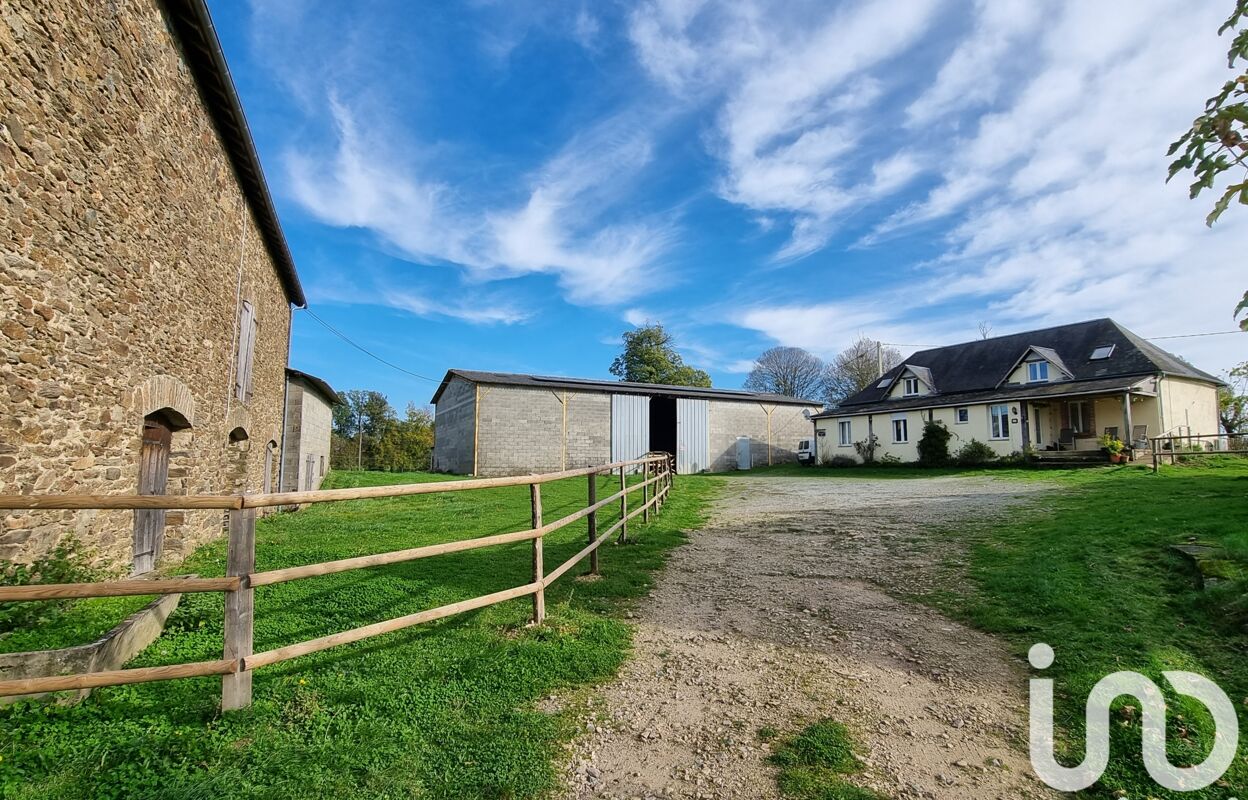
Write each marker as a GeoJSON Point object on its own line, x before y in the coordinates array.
{"type": "Point", "coordinates": [780, 613]}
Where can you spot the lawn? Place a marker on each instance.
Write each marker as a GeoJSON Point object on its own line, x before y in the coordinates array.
{"type": "Point", "coordinates": [1088, 571]}
{"type": "Point", "coordinates": [447, 710]}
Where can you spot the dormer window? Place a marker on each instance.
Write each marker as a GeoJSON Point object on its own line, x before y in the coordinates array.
{"type": "Point", "coordinates": [1037, 372]}
{"type": "Point", "coordinates": [911, 387]}
{"type": "Point", "coordinates": [1101, 353]}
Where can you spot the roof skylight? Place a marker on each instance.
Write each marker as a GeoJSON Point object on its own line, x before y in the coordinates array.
{"type": "Point", "coordinates": [1102, 352]}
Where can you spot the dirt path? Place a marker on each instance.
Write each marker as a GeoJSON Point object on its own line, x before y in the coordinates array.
{"type": "Point", "coordinates": [779, 614]}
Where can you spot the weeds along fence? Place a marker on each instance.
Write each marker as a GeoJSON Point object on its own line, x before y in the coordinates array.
{"type": "Point", "coordinates": [1179, 447]}
{"type": "Point", "coordinates": [238, 660]}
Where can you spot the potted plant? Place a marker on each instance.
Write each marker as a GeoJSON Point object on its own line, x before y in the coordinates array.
{"type": "Point", "coordinates": [1113, 447]}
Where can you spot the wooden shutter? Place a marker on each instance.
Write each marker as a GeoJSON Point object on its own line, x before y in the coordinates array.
{"type": "Point", "coordinates": [247, 326]}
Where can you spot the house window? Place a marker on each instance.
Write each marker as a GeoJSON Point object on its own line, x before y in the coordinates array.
{"type": "Point", "coordinates": [1038, 371]}
{"type": "Point", "coordinates": [1080, 416]}
{"type": "Point", "coordinates": [1000, 422]}
{"type": "Point", "coordinates": [962, 416]}
{"type": "Point", "coordinates": [912, 386]}
{"type": "Point", "coordinates": [901, 431]}
{"type": "Point", "coordinates": [844, 430]}
{"type": "Point", "coordinates": [247, 329]}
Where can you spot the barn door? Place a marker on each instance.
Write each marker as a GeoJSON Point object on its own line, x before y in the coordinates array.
{"type": "Point", "coordinates": [692, 436]}
{"type": "Point", "coordinates": [309, 473]}
{"type": "Point", "coordinates": [149, 523]}
{"type": "Point", "coordinates": [630, 426]}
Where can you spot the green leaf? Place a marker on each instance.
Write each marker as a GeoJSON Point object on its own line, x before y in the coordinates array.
{"type": "Point", "coordinates": [1218, 208]}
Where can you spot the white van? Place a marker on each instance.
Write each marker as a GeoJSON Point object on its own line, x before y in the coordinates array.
{"type": "Point", "coordinates": [806, 452]}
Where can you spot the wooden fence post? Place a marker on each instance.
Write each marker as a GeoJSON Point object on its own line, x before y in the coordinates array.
{"type": "Point", "coordinates": [623, 505]}
{"type": "Point", "coordinates": [239, 607]}
{"type": "Point", "coordinates": [593, 522]}
{"type": "Point", "coordinates": [645, 492]}
{"type": "Point", "coordinates": [539, 571]}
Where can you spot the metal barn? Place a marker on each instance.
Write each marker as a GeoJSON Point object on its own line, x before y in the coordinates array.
{"type": "Point", "coordinates": [492, 423]}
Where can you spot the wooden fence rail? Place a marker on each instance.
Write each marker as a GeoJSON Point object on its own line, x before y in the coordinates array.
{"type": "Point", "coordinates": [241, 580]}
{"type": "Point", "coordinates": [1183, 445]}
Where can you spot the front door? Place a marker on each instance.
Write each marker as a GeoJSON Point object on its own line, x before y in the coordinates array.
{"type": "Point", "coordinates": [149, 523]}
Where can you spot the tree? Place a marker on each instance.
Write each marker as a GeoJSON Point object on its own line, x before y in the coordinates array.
{"type": "Point", "coordinates": [650, 357]}
{"type": "Point", "coordinates": [934, 446]}
{"type": "Point", "coordinates": [856, 367]}
{"type": "Point", "coordinates": [406, 444]}
{"type": "Point", "coordinates": [358, 426]}
{"type": "Point", "coordinates": [1218, 139]}
{"type": "Point", "coordinates": [789, 371]}
{"type": "Point", "coordinates": [1233, 401]}
{"type": "Point", "coordinates": [985, 329]}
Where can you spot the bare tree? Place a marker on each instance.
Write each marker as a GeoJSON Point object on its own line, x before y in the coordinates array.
{"type": "Point", "coordinates": [787, 370]}
{"type": "Point", "coordinates": [856, 367]}
{"type": "Point", "coordinates": [985, 329]}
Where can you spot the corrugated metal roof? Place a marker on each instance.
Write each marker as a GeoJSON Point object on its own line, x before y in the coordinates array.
{"type": "Point", "coordinates": [617, 387]}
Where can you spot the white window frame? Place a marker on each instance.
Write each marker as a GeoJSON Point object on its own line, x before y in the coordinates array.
{"type": "Point", "coordinates": [845, 433]}
{"type": "Point", "coordinates": [1037, 371]}
{"type": "Point", "coordinates": [906, 387]}
{"type": "Point", "coordinates": [958, 414]}
{"type": "Point", "coordinates": [999, 423]}
{"type": "Point", "coordinates": [905, 430]}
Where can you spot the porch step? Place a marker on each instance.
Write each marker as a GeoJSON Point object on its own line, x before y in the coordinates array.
{"type": "Point", "coordinates": [1094, 456]}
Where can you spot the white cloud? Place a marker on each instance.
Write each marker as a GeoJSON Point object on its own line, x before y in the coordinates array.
{"type": "Point", "coordinates": [791, 82]}
{"type": "Point", "coordinates": [358, 288]}
{"type": "Point", "coordinates": [558, 230]}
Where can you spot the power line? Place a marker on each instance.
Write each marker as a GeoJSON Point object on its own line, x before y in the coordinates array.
{"type": "Point", "coordinates": [365, 350]}
{"type": "Point", "coordinates": [1192, 335]}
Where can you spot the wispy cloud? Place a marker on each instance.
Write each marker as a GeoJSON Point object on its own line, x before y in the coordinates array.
{"type": "Point", "coordinates": [560, 228]}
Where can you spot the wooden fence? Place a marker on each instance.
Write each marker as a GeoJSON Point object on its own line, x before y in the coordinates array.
{"type": "Point", "coordinates": [238, 659]}
{"type": "Point", "coordinates": [1177, 447]}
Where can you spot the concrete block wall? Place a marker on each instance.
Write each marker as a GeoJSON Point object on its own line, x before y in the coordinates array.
{"type": "Point", "coordinates": [522, 430]}
{"type": "Point", "coordinates": [453, 428]}
{"type": "Point", "coordinates": [730, 419]}
{"type": "Point", "coordinates": [309, 425]}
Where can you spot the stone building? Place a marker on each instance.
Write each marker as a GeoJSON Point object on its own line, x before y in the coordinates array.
{"type": "Point", "coordinates": [494, 423]}
{"type": "Point", "coordinates": [307, 431]}
{"type": "Point", "coordinates": [145, 283]}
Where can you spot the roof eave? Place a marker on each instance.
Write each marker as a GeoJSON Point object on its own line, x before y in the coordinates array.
{"type": "Point", "coordinates": [201, 50]}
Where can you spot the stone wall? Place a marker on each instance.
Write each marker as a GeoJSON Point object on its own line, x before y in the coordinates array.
{"type": "Point", "coordinates": [309, 425]}
{"type": "Point", "coordinates": [730, 419]}
{"type": "Point", "coordinates": [453, 428]}
{"type": "Point", "coordinates": [122, 236]}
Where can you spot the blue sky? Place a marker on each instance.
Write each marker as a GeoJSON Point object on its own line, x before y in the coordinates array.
{"type": "Point", "coordinates": [509, 185]}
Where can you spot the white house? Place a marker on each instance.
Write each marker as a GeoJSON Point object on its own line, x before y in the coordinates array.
{"type": "Point", "coordinates": [1050, 389]}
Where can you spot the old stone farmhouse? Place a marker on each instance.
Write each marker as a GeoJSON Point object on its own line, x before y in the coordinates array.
{"type": "Point", "coordinates": [1052, 389]}
{"type": "Point", "coordinates": [307, 432]}
{"type": "Point", "coordinates": [495, 423]}
{"type": "Point", "coordinates": [145, 283]}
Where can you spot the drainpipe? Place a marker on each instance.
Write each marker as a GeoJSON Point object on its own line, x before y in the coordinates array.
{"type": "Point", "coordinates": [281, 445]}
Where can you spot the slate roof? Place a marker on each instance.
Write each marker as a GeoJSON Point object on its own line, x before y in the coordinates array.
{"type": "Point", "coordinates": [616, 387]}
{"type": "Point", "coordinates": [319, 384]}
{"type": "Point", "coordinates": [974, 371]}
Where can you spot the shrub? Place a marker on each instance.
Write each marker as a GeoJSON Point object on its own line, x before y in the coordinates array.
{"type": "Point", "coordinates": [67, 563]}
{"type": "Point", "coordinates": [974, 453]}
{"type": "Point", "coordinates": [867, 447]}
{"type": "Point", "coordinates": [934, 446]}
{"type": "Point", "coordinates": [840, 461]}
{"type": "Point", "coordinates": [890, 460]}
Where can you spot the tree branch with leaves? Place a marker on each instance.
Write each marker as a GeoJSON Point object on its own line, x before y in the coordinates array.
{"type": "Point", "coordinates": [1218, 139]}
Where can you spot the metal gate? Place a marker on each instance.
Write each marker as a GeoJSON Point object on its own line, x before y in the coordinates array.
{"type": "Point", "coordinates": [630, 426]}
{"type": "Point", "coordinates": [692, 436]}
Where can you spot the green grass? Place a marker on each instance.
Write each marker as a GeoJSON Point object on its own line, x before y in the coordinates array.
{"type": "Point", "coordinates": [1087, 570]}
{"type": "Point", "coordinates": [812, 764]}
{"type": "Point", "coordinates": [65, 624]}
{"type": "Point", "coordinates": [447, 710]}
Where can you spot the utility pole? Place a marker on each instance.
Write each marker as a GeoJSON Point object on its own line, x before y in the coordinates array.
{"type": "Point", "coordinates": [359, 438]}
{"type": "Point", "coordinates": [879, 359]}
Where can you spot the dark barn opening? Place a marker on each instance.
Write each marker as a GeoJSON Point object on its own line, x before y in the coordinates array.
{"type": "Point", "coordinates": [663, 424]}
